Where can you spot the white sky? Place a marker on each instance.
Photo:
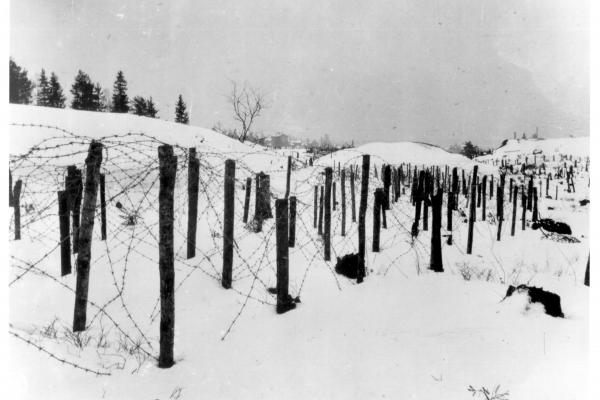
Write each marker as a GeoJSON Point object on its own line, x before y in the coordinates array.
{"type": "Point", "coordinates": [429, 70]}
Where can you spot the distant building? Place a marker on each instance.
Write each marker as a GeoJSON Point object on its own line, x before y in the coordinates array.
{"type": "Point", "coordinates": [279, 141]}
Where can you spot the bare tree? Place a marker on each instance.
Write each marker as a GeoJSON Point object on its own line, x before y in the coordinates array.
{"type": "Point", "coordinates": [247, 104]}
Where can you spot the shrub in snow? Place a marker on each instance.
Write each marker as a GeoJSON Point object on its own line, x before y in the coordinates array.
{"type": "Point", "coordinates": [347, 266]}
{"type": "Point", "coordinates": [550, 301]}
{"type": "Point", "coordinates": [550, 225]}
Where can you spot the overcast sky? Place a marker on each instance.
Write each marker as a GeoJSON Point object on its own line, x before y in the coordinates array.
{"type": "Point", "coordinates": [429, 70]}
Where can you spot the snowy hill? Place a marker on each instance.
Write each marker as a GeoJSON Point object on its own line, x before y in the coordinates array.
{"type": "Point", "coordinates": [397, 153]}
{"type": "Point", "coordinates": [514, 148]}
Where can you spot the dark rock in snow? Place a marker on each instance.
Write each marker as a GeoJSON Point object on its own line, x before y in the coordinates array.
{"type": "Point", "coordinates": [347, 266]}
{"type": "Point", "coordinates": [550, 225]}
{"type": "Point", "coordinates": [550, 301]}
{"type": "Point", "coordinates": [584, 202]}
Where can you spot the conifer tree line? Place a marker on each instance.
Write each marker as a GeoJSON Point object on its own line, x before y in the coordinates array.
{"type": "Point", "coordinates": [85, 94]}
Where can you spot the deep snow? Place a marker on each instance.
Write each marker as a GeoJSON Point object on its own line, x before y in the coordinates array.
{"type": "Point", "coordinates": [404, 333]}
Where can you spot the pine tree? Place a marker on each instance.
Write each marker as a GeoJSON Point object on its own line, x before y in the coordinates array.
{"type": "Point", "coordinates": [151, 110]}
{"type": "Point", "coordinates": [139, 105]}
{"type": "Point", "coordinates": [120, 101]}
{"type": "Point", "coordinates": [83, 93]}
{"type": "Point", "coordinates": [20, 86]}
{"type": "Point", "coordinates": [181, 114]}
{"type": "Point", "coordinates": [43, 90]}
{"type": "Point", "coordinates": [101, 99]}
{"type": "Point", "coordinates": [55, 93]}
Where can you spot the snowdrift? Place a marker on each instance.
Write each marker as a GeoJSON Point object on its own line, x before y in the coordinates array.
{"type": "Point", "coordinates": [577, 147]}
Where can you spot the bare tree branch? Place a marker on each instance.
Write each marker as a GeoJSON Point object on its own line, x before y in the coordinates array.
{"type": "Point", "coordinates": [247, 105]}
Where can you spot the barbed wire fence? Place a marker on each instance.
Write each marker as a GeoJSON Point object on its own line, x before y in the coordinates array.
{"type": "Point", "coordinates": [131, 170]}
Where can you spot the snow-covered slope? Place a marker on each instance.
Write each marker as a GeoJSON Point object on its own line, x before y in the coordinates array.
{"type": "Point", "coordinates": [514, 148]}
{"type": "Point", "coordinates": [30, 125]}
{"type": "Point", "coordinates": [398, 153]}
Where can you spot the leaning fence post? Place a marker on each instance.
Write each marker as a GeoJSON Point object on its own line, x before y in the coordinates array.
{"type": "Point", "coordinates": [102, 206]}
{"type": "Point", "coordinates": [387, 181]}
{"type": "Point", "coordinates": [65, 235]}
{"type": "Point", "coordinates": [10, 188]}
{"type": "Point", "coordinates": [500, 208]}
{"type": "Point", "coordinates": [84, 255]}
{"type": "Point", "coordinates": [343, 191]}
{"type": "Point", "coordinates": [17, 208]}
{"type": "Point", "coordinates": [292, 235]}
{"type": "Point", "coordinates": [435, 261]}
{"type": "Point", "coordinates": [228, 220]}
{"type": "Point", "coordinates": [327, 210]}
{"type": "Point", "coordinates": [472, 210]}
{"type": "Point", "coordinates": [247, 199]}
{"type": "Point", "coordinates": [167, 170]}
{"type": "Point", "coordinates": [281, 226]}
{"type": "Point", "coordinates": [193, 183]}
{"type": "Point", "coordinates": [586, 280]}
{"type": "Point", "coordinates": [362, 211]}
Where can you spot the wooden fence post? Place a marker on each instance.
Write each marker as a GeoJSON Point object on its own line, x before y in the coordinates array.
{"type": "Point", "coordinates": [315, 209]}
{"type": "Point", "coordinates": [364, 192]}
{"type": "Point", "coordinates": [74, 186]}
{"type": "Point", "coordinates": [102, 206]}
{"type": "Point", "coordinates": [247, 199]}
{"type": "Point", "coordinates": [426, 200]}
{"type": "Point", "coordinates": [534, 215]}
{"type": "Point", "coordinates": [334, 200]}
{"type": "Point", "coordinates": [483, 196]}
{"type": "Point", "coordinates": [287, 179]}
{"type": "Point", "coordinates": [514, 210]}
{"type": "Point", "coordinates": [586, 280]}
{"type": "Point", "coordinates": [524, 205]}
{"type": "Point", "coordinates": [228, 220]}
{"type": "Point", "coordinates": [352, 195]}
{"type": "Point", "coordinates": [168, 170]}
{"type": "Point", "coordinates": [419, 193]}
{"type": "Point", "coordinates": [17, 208]}
{"type": "Point", "coordinates": [499, 209]}
{"type": "Point", "coordinates": [378, 200]}
{"type": "Point", "coordinates": [435, 261]}
{"type": "Point", "coordinates": [193, 186]}
{"type": "Point", "coordinates": [327, 210]}
{"type": "Point", "coordinates": [258, 214]}
{"type": "Point", "coordinates": [265, 187]}
{"type": "Point", "coordinates": [292, 235]}
{"type": "Point", "coordinates": [320, 230]}
{"type": "Point", "coordinates": [281, 227]}
{"type": "Point", "coordinates": [530, 195]}
{"type": "Point", "coordinates": [84, 255]}
{"type": "Point", "coordinates": [10, 188]}
{"type": "Point", "coordinates": [65, 234]}
{"type": "Point", "coordinates": [472, 210]}
{"type": "Point", "coordinates": [387, 181]}
{"type": "Point", "coordinates": [343, 190]}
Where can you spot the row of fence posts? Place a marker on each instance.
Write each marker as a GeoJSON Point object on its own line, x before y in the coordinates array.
{"type": "Point", "coordinates": [422, 184]}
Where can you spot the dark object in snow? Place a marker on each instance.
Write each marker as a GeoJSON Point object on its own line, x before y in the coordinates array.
{"type": "Point", "coordinates": [348, 266]}
{"type": "Point", "coordinates": [119, 205]}
{"type": "Point", "coordinates": [550, 225]}
{"type": "Point", "coordinates": [550, 301]}
{"type": "Point", "coordinates": [296, 299]}
{"type": "Point", "coordinates": [584, 202]}
{"type": "Point", "coordinates": [550, 208]}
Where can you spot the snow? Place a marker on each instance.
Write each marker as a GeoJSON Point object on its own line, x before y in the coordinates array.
{"type": "Point", "coordinates": [577, 147]}
{"type": "Point", "coordinates": [404, 333]}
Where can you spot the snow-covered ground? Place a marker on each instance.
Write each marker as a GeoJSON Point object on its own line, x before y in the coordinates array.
{"type": "Point", "coordinates": [404, 333]}
{"type": "Point", "coordinates": [519, 148]}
